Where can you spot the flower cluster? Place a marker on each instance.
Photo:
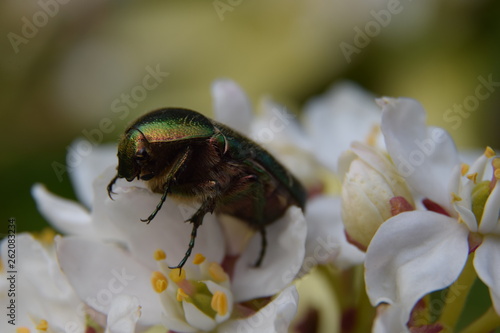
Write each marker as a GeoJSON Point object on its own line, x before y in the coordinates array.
{"type": "Point", "coordinates": [392, 210]}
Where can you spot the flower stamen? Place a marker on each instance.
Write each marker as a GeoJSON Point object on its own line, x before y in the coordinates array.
{"type": "Point", "coordinates": [217, 272]}
{"type": "Point", "coordinates": [455, 197]}
{"type": "Point", "coordinates": [473, 177]}
{"type": "Point", "coordinates": [489, 152]}
{"type": "Point", "coordinates": [159, 255]}
{"type": "Point", "coordinates": [159, 282]}
{"type": "Point", "coordinates": [22, 330]}
{"type": "Point", "coordinates": [198, 259]}
{"type": "Point", "coordinates": [464, 169]}
{"type": "Point", "coordinates": [177, 276]}
{"type": "Point", "coordinates": [219, 303]}
{"type": "Point", "coordinates": [43, 325]}
{"type": "Point", "coordinates": [181, 295]}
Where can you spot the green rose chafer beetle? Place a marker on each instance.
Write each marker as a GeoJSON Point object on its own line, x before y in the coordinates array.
{"type": "Point", "coordinates": [183, 154]}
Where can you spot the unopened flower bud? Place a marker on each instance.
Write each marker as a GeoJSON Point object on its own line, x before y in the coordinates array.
{"type": "Point", "coordinates": [372, 192]}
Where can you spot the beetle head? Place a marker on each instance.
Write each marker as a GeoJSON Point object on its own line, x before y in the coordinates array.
{"type": "Point", "coordinates": [133, 158]}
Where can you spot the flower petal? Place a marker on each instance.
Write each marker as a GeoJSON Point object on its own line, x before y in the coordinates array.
{"type": "Point", "coordinates": [86, 161]}
{"type": "Point", "coordinates": [167, 231]}
{"type": "Point", "coordinates": [326, 241]}
{"type": "Point", "coordinates": [44, 292]}
{"type": "Point", "coordinates": [423, 155]}
{"type": "Point", "coordinates": [285, 253]}
{"type": "Point", "coordinates": [390, 318]}
{"type": "Point", "coordinates": [408, 252]}
{"type": "Point", "coordinates": [487, 265]}
{"type": "Point", "coordinates": [198, 319]}
{"type": "Point", "coordinates": [275, 317]}
{"type": "Point", "coordinates": [231, 105]}
{"type": "Point", "coordinates": [123, 314]}
{"type": "Point", "coordinates": [100, 272]}
{"type": "Point", "coordinates": [65, 215]}
{"type": "Point", "coordinates": [344, 114]}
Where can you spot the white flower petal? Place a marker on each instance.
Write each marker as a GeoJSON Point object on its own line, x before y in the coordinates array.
{"type": "Point", "coordinates": [326, 241]}
{"type": "Point", "coordinates": [275, 317]}
{"type": "Point", "coordinates": [409, 252]}
{"type": "Point", "coordinates": [423, 155]}
{"type": "Point", "coordinates": [43, 291]}
{"type": "Point", "coordinates": [123, 314]}
{"type": "Point", "coordinates": [285, 254]}
{"type": "Point", "coordinates": [65, 215]}
{"type": "Point", "coordinates": [196, 318]}
{"type": "Point", "coordinates": [167, 231]}
{"type": "Point", "coordinates": [100, 272]}
{"type": "Point", "coordinates": [231, 105]}
{"type": "Point", "coordinates": [173, 315]}
{"type": "Point", "coordinates": [390, 319]}
{"type": "Point", "coordinates": [344, 114]}
{"type": "Point", "coordinates": [487, 265]}
{"type": "Point", "coordinates": [86, 161]}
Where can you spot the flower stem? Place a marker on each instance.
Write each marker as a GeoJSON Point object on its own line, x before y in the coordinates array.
{"type": "Point", "coordinates": [457, 296]}
{"type": "Point", "coordinates": [486, 323]}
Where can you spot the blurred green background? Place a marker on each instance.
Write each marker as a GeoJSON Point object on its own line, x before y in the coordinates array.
{"type": "Point", "coordinates": [67, 65]}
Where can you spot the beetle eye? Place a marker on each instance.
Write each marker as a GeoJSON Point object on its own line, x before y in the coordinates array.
{"type": "Point", "coordinates": [141, 155]}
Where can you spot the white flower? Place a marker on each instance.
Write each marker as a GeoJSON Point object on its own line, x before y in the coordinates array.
{"type": "Point", "coordinates": [126, 266]}
{"type": "Point", "coordinates": [417, 252]}
{"type": "Point", "coordinates": [36, 290]}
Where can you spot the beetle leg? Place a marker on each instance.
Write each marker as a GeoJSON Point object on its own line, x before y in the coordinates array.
{"type": "Point", "coordinates": [110, 186]}
{"type": "Point", "coordinates": [263, 246]}
{"type": "Point", "coordinates": [208, 206]}
{"type": "Point", "coordinates": [158, 207]}
{"type": "Point", "coordinates": [181, 159]}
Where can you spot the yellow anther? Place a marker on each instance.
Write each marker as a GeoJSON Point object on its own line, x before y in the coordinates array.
{"type": "Point", "coordinates": [46, 236]}
{"type": "Point", "coordinates": [371, 139]}
{"type": "Point", "coordinates": [455, 198]}
{"type": "Point", "coordinates": [489, 152]}
{"type": "Point", "coordinates": [181, 295]}
{"type": "Point", "coordinates": [464, 169]}
{"type": "Point", "coordinates": [177, 277]}
{"type": "Point", "coordinates": [22, 330]}
{"type": "Point", "coordinates": [159, 255]}
{"type": "Point", "coordinates": [219, 303]}
{"type": "Point", "coordinates": [473, 177]}
{"type": "Point", "coordinates": [217, 272]}
{"type": "Point", "coordinates": [159, 281]}
{"type": "Point", "coordinates": [198, 258]}
{"type": "Point", "coordinates": [42, 325]}
{"type": "Point", "coordinates": [496, 173]}
{"type": "Point", "coordinates": [496, 163]}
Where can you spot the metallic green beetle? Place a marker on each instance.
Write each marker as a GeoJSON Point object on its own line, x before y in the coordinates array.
{"type": "Point", "coordinates": [183, 154]}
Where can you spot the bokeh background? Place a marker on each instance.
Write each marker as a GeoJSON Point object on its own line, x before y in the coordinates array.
{"type": "Point", "coordinates": [67, 67]}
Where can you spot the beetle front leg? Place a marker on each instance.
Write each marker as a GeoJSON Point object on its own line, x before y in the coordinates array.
{"type": "Point", "coordinates": [176, 167]}
{"type": "Point", "coordinates": [158, 207]}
